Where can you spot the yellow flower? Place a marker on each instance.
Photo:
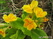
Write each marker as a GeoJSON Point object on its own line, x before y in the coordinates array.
{"type": "Point", "coordinates": [39, 12]}
{"type": "Point", "coordinates": [2, 32]}
{"type": "Point", "coordinates": [9, 18]}
{"type": "Point", "coordinates": [45, 19]}
{"type": "Point", "coordinates": [29, 24]}
{"type": "Point", "coordinates": [29, 8]}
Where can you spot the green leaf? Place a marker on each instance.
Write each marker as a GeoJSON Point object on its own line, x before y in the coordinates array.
{"type": "Point", "coordinates": [13, 36]}
{"type": "Point", "coordinates": [18, 24]}
{"type": "Point", "coordinates": [19, 35]}
{"type": "Point", "coordinates": [27, 32]}
{"type": "Point", "coordinates": [24, 15]}
{"type": "Point", "coordinates": [41, 33]}
{"type": "Point", "coordinates": [6, 38]}
{"type": "Point", "coordinates": [10, 32]}
{"type": "Point", "coordinates": [35, 34]}
{"type": "Point", "coordinates": [34, 17]}
{"type": "Point", "coordinates": [32, 34]}
{"type": "Point", "coordinates": [27, 37]}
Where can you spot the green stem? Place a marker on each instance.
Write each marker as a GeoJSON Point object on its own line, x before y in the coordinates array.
{"type": "Point", "coordinates": [3, 24]}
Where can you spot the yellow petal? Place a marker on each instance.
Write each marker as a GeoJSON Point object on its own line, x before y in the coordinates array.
{"type": "Point", "coordinates": [26, 24]}
{"type": "Point", "coordinates": [41, 14]}
{"type": "Point", "coordinates": [5, 17]}
{"type": "Point", "coordinates": [45, 19]}
{"type": "Point", "coordinates": [44, 13]}
{"type": "Point", "coordinates": [12, 17]}
{"type": "Point", "coordinates": [2, 32]}
{"type": "Point", "coordinates": [27, 8]}
{"type": "Point", "coordinates": [30, 27]}
{"type": "Point", "coordinates": [34, 4]}
{"type": "Point", "coordinates": [28, 20]}
{"type": "Point", "coordinates": [35, 25]}
{"type": "Point", "coordinates": [38, 10]}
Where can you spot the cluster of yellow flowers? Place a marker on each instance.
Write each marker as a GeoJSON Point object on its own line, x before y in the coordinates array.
{"type": "Point", "coordinates": [28, 22]}
{"type": "Point", "coordinates": [39, 13]}
{"type": "Point", "coordinates": [33, 8]}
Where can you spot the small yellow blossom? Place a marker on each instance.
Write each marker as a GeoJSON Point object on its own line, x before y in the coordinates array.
{"type": "Point", "coordinates": [29, 24]}
{"type": "Point", "coordinates": [39, 12]}
{"type": "Point", "coordinates": [45, 19]}
{"type": "Point", "coordinates": [9, 18]}
{"type": "Point", "coordinates": [29, 8]}
{"type": "Point", "coordinates": [2, 32]}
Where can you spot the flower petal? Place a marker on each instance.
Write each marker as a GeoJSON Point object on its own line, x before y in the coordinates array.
{"type": "Point", "coordinates": [34, 4]}
{"type": "Point", "coordinates": [37, 10]}
{"type": "Point", "coordinates": [27, 8]}
{"type": "Point", "coordinates": [44, 13]}
{"type": "Point", "coordinates": [5, 17]}
{"type": "Point", "coordinates": [2, 32]}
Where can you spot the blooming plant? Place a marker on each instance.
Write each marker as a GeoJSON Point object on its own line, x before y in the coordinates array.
{"type": "Point", "coordinates": [28, 25]}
